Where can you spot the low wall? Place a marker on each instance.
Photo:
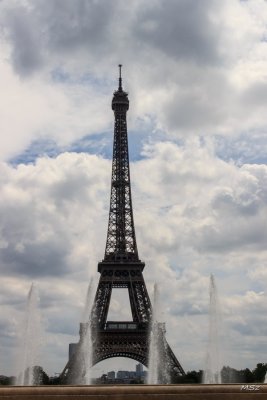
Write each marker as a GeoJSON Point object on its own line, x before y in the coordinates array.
{"type": "Point", "coordinates": [135, 392]}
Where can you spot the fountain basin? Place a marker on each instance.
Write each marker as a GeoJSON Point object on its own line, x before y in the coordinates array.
{"type": "Point", "coordinates": [133, 392]}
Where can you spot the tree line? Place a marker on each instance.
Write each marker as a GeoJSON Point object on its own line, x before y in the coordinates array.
{"type": "Point", "coordinates": [228, 374]}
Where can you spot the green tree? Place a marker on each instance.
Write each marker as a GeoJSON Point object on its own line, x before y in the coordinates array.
{"type": "Point", "coordinates": [54, 380]}
{"type": "Point", "coordinates": [245, 376]}
{"type": "Point", "coordinates": [259, 372]}
{"type": "Point", "coordinates": [5, 380]}
{"type": "Point", "coordinates": [190, 377]}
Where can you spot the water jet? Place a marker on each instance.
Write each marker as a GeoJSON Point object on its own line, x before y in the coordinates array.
{"type": "Point", "coordinates": [30, 341]}
{"type": "Point", "coordinates": [212, 372]}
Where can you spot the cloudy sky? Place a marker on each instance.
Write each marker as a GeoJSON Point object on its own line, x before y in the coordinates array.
{"type": "Point", "coordinates": [196, 73]}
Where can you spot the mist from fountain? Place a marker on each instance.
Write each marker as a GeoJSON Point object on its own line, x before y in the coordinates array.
{"type": "Point", "coordinates": [157, 369]}
{"type": "Point", "coordinates": [153, 363]}
{"type": "Point", "coordinates": [87, 341]}
{"type": "Point", "coordinates": [212, 372]}
{"type": "Point", "coordinates": [30, 341]}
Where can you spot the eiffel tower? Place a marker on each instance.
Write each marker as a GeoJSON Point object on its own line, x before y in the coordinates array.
{"type": "Point", "coordinates": [121, 268]}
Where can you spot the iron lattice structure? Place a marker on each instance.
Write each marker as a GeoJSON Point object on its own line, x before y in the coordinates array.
{"type": "Point", "coordinates": [120, 268]}
{"type": "Point", "coordinates": [121, 241]}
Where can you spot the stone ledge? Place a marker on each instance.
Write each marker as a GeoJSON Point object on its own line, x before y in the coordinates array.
{"type": "Point", "coordinates": [136, 392]}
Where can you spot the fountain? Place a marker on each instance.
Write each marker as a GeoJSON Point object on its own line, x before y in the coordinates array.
{"type": "Point", "coordinates": [212, 373]}
{"type": "Point", "coordinates": [153, 364]}
{"type": "Point", "coordinates": [157, 368]}
{"type": "Point", "coordinates": [82, 357]}
{"type": "Point", "coordinates": [30, 342]}
{"type": "Point", "coordinates": [87, 344]}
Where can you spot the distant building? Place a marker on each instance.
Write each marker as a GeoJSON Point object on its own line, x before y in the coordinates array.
{"type": "Point", "coordinates": [111, 375]}
{"type": "Point", "coordinates": [132, 374]}
{"type": "Point", "coordinates": [72, 349]}
{"type": "Point", "coordinates": [139, 370]}
{"type": "Point", "coordinates": [125, 377]}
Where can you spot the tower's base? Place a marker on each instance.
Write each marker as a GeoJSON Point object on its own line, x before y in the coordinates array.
{"type": "Point", "coordinates": [121, 339]}
{"type": "Point", "coordinates": [142, 392]}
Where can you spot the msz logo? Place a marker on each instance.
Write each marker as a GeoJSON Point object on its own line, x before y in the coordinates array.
{"type": "Point", "coordinates": [250, 388]}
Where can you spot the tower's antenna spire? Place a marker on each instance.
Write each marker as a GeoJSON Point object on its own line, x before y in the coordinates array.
{"type": "Point", "coordinates": [120, 80]}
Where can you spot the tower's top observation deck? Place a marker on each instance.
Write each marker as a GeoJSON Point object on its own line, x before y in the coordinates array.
{"type": "Point", "coordinates": [120, 101]}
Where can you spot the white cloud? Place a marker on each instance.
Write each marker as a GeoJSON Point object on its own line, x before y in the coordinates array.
{"type": "Point", "coordinates": [191, 72]}
{"type": "Point", "coordinates": [42, 214]}
{"type": "Point", "coordinates": [32, 109]}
